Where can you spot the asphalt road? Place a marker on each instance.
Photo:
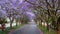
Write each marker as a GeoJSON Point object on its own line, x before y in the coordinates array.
{"type": "Point", "coordinates": [30, 28]}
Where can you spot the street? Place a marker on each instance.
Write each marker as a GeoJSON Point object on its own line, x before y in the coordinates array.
{"type": "Point", "coordinates": [30, 28]}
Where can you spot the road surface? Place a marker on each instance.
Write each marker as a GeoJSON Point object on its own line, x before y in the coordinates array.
{"type": "Point", "coordinates": [30, 28]}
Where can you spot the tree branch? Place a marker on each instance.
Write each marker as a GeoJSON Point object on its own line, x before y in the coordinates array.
{"type": "Point", "coordinates": [35, 4]}
{"type": "Point", "coordinates": [48, 3]}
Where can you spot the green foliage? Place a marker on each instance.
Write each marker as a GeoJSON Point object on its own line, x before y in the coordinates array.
{"type": "Point", "coordinates": [3, 32]}
{"type": "Point", "coordinates": [3, 21]}
{"type": "Point", "coordinates": [45, 31]}
{"type": "Point", "coordinates": [49, 20]}
{"type": "Point", "coordinates": [8, 29]}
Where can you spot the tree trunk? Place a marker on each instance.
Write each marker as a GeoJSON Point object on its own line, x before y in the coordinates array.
{"type": "Point", "coordinates": [41, 22]}
{"type": "Point", "coordinates": [11, 22]}
{"type": "Point", "coordinates": [20, 23]}
{"type": "Point", "coordinates": [11, 25]}
{"type": "Point", "coordinates": [47, 26]}
{"type": "Point", "coordinates": [3, 26]}
{"type": "Point", "coordinates": [58, 25]}
{"type": "Point", "coordinates": [16, 23]}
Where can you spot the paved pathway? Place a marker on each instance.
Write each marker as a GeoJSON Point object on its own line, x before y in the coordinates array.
{"type": "Point", "coordinates": [30, 28]}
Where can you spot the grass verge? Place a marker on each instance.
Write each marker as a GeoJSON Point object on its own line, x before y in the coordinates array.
{"type": "Point", "coordinates": [45, 31]}
{"type": "Point", "coordinates": [8, 29]}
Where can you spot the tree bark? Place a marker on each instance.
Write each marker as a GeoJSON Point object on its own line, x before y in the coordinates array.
{"type": "Point", "coordinates": [3, 26]}
{"type": "Point", "coordinates": [16, 23]}
{"type": "Point", "coordinates": [11, 21]}
{"type": "Point", "coordinates": [11, 25]}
